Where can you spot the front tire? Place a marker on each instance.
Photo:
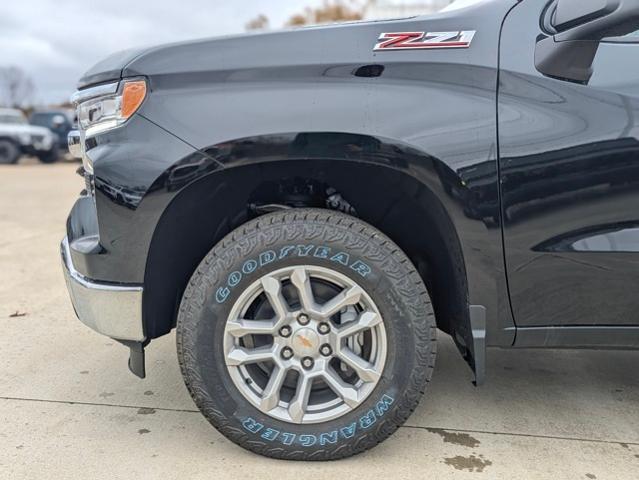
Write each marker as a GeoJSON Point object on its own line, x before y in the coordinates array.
{"type": "Point", "coordinates": [9, 152]}
{"type": "Point", "coordinates": [307, 335]}
{"type": "Point", "coordinates": [51, 156]}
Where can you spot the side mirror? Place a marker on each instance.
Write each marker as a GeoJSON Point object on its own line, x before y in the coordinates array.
{"type": "Point", "coordinates": [575, 28]}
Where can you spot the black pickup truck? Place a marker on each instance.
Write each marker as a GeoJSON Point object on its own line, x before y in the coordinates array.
{"type": "Point", "coordinates": [307, 208]}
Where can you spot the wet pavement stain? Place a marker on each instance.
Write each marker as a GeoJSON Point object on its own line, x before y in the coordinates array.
{"type": "Point", "coordinates": [142, 431]}
{"type": "Point", "coordinates": [470, 464]}
{"type": "Point", "coordinates": [463, 439]}
{"type": "Point", "coordinates": [146, 411]}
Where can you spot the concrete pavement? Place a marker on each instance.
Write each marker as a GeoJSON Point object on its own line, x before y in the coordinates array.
{"type": "Point", "coordinates": [69, 408]}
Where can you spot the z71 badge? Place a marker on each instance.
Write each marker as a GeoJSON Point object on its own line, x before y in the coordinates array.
{"type": "Point", "coordinates": [424, 40]}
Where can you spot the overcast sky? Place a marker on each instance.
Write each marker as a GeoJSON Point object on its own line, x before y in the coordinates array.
{"type": "Point", "coordinates": [55, 41]}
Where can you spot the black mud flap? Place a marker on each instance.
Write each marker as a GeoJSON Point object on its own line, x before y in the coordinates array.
{"type": "Point", "coordinates": [136, 357]}
{"type": "Point", "coordinates": [471, 342]}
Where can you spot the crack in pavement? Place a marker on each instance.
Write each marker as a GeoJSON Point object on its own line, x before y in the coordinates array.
{"type": "Point", "coordinates": [95, 404]}
{"type": "Point", "coordinates": [413, 427]}
{"type": "Point", "coordinates": [530, 435]}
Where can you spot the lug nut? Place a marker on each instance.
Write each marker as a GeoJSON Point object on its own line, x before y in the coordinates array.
{"type": "Point", "coordinates": [303, 319]}
{"type": "Point", "coordinates": [285, 331]}
{"type": "Point", "coordinates": [307, 363]}
{"type": "Point", "coordinates": [323, 328]}
{"type": "Point", "coordinates": [286, 353]}
{"type": "Point", "coordinates": [326, 350]}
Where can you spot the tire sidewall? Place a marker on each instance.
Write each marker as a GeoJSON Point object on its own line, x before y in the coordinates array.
{"type": "Point", "coordinates": [10, 159]}
{"type": "Point", "coordinates": [49, 157]}
{"type": "Point", "coordinates": [224, 275]}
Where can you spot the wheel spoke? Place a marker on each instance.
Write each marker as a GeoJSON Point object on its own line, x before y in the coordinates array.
{"type": "Point", "coordinates": [364, 370]}
{"type": "Point", "coordinates": [271, 394]}
{"type": "Point", "coordinates": [239, 328]}
{"type": "Point", "coordinates": [347, 392]}
{"type": "Point", "coordinates": [299, 403]}
{"type": "Point", "coordinates": [273, 290]}
{"type": "Point", "coordinates": [302, 283]}
{"type": "Point", "coordinates": [242, 356]}
{"type": "Point", "coordinates": [344, 299]}
{"type": "Point", "coordinates": [365, 321]}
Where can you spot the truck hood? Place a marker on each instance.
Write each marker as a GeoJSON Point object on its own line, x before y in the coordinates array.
{"type": "Point", "coordinates": [13, 129]}
{"type": "Point", "coordinates": [206, 54]}
{"type": "Point", "coordinates": [110, 68]}
{"type": "Point", "coordinates": [328, 44]}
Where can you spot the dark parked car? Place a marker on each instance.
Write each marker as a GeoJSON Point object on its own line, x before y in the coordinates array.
{"type": "Point", "coordinates": [60, 122]}
{"type": "Point", "coordinates": [307, 208]}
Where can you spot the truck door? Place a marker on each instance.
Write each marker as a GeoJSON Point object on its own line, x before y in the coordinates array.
{"type": "Point", "coordinates": [569, 169]}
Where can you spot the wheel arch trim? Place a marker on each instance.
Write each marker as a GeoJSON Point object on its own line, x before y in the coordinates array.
{"type": "Point", "coordinates": [259, 153]}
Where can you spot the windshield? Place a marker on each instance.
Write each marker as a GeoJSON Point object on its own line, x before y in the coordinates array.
{"type": "Point", "coordinates": [632, 36]}
{"type": "Point", "coordinates": [47, 119]}
{"type": "Point", "coordinates": [12, 119]}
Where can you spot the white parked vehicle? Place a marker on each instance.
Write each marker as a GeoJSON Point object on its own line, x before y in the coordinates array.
{"type": "Point", "coordinates": [18, 137]}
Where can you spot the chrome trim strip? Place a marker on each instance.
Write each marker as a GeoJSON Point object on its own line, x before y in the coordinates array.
{"type": "Point", "coordinates": [92, 92]}
{"type": "Point", "coordinates": [112, 310]}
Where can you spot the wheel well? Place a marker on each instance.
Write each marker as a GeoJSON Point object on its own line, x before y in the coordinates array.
{"type": "Point", "coordinates": [395, 203]}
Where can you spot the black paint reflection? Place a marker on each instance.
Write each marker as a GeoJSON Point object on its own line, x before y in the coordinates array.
{"type": "Point", "coordinates": [570, 186]}
{"type": "Point", "coordinates": [601, 238]}
{"type": "Point", "coordinates": [550, 181]}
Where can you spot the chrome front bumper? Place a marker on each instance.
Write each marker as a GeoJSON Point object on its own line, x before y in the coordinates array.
{"type": "Point", "coordinates": [112, 310]}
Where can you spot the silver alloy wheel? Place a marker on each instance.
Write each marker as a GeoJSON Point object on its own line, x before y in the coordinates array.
{"type": "Point", "coordinates": [308, 362]}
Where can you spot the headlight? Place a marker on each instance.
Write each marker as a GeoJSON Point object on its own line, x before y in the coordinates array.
{"type": "Point", "coordinates": [24, 138]}
{"type": "Point", "coordinates": [48, 140]}
{"type": "Point", "coordinates": [106, 112]}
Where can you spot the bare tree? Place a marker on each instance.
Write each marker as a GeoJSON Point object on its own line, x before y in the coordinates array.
{"type": "Point", "coordinates": [331, 11]}
{"type": "Point", "coordinates": [16, 87]}
{"type": "Point", "coordinates": [260, 22]}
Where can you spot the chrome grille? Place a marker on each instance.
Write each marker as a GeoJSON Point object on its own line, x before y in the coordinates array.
{"type": "Point", "coordinates": [89, 183]}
